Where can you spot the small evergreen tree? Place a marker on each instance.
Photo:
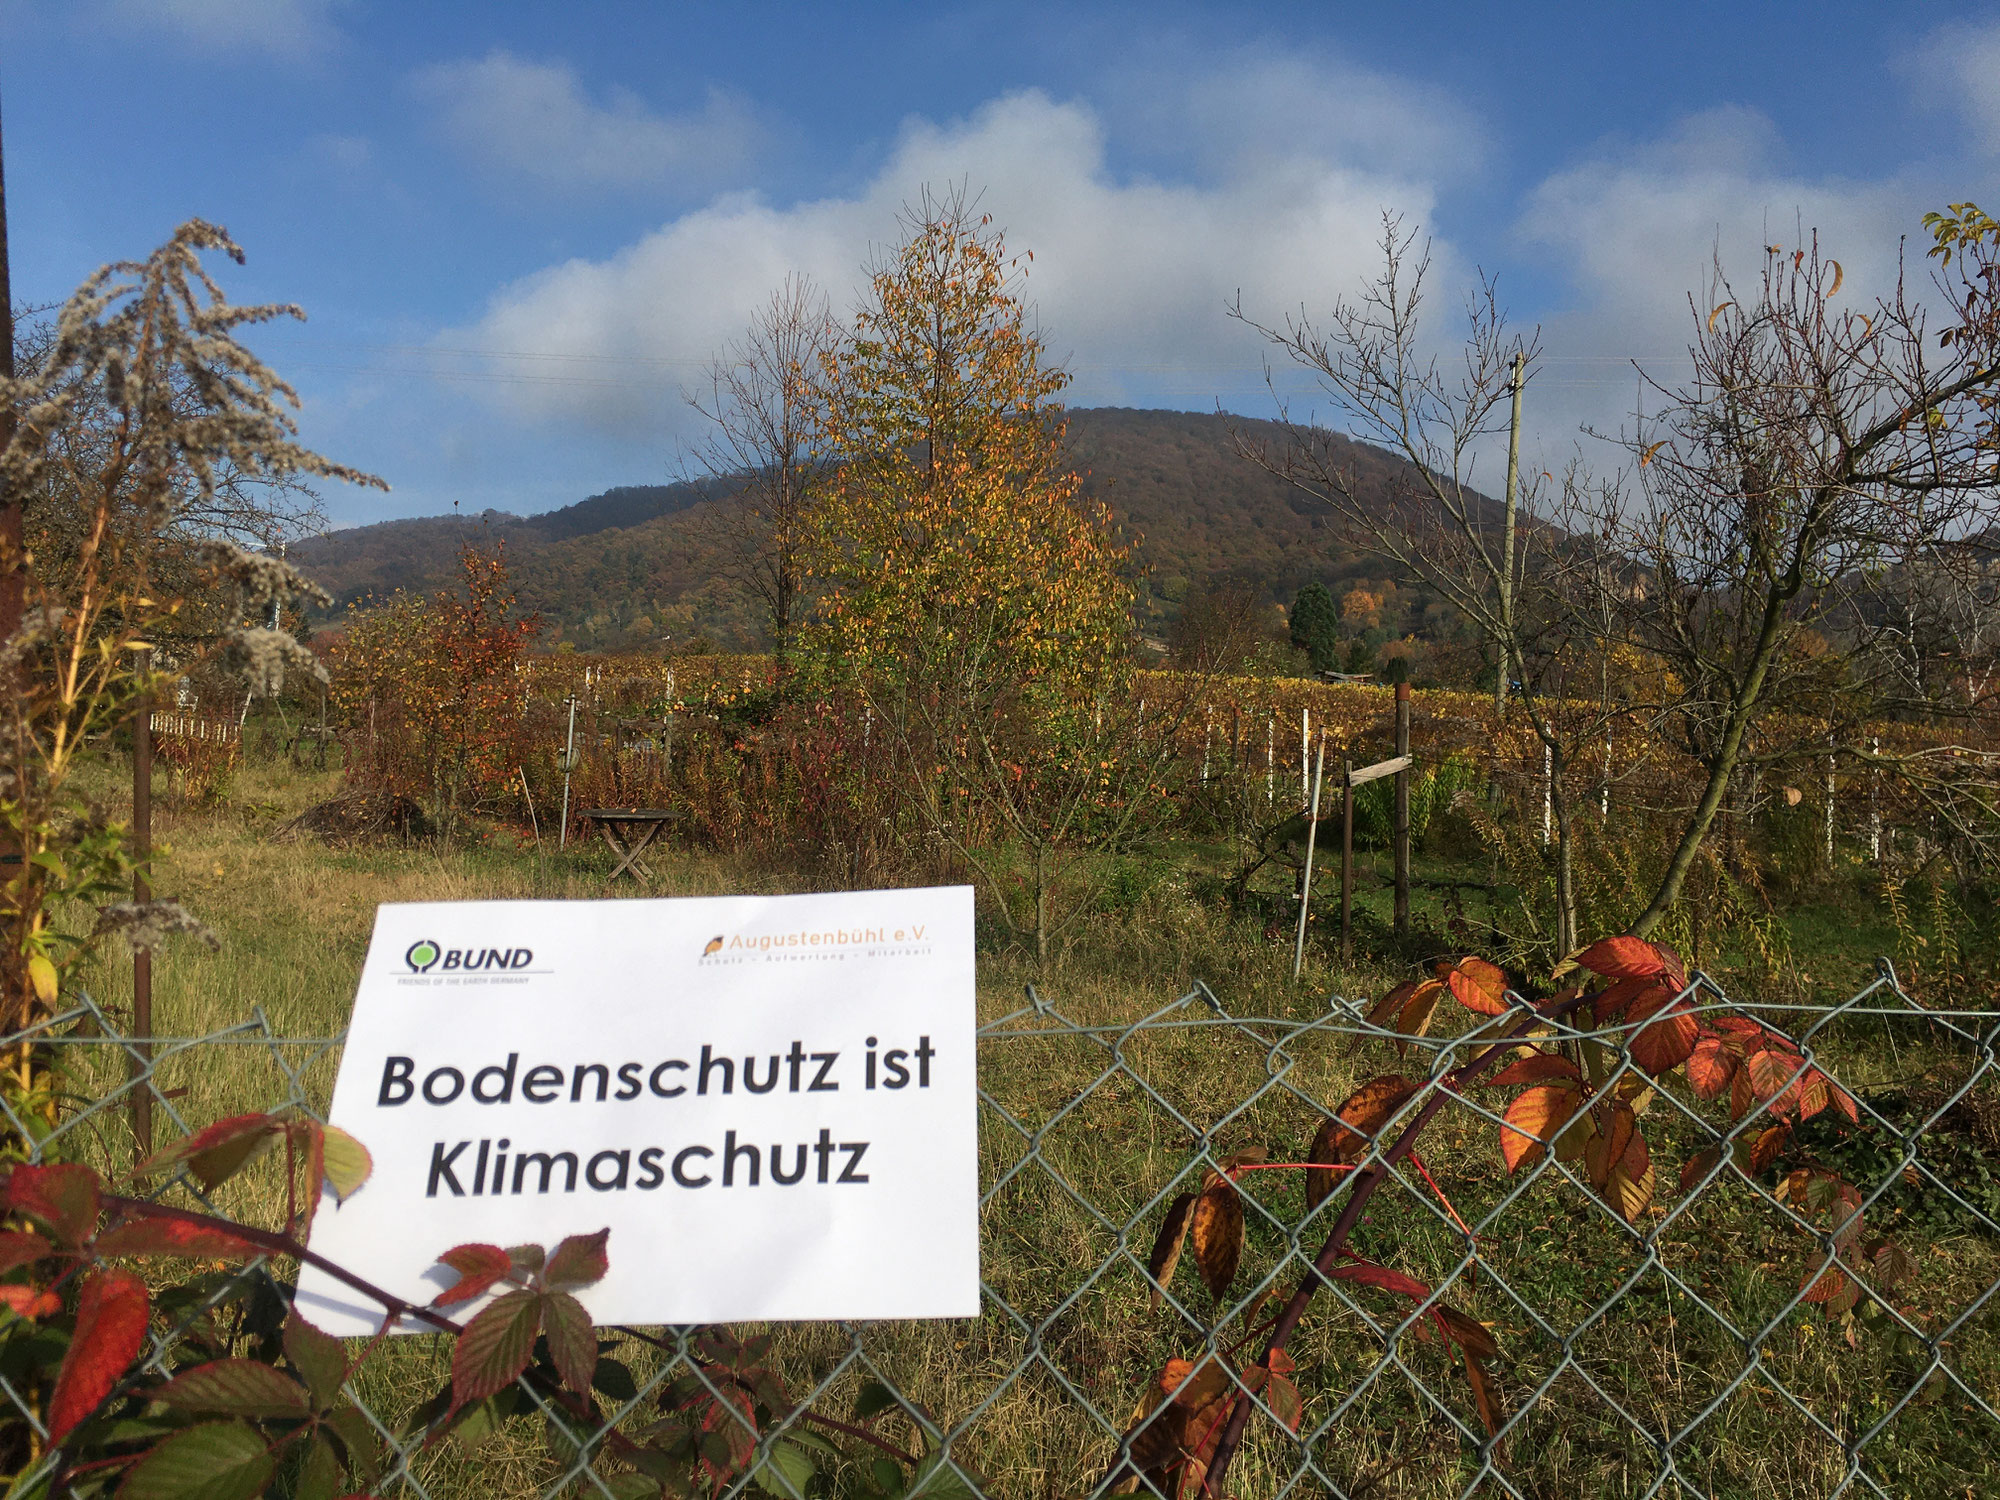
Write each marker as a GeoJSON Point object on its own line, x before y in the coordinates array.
{"type": "Point", "coordinates": [1315, 621]}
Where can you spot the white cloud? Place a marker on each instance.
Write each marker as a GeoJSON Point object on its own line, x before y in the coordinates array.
{"type": "Point", "coordinates": [1130, 276]}
{"type": "Point", "coordinates": [535, 120]}
{"type": "Point", "coordinates": [291, 28]}
{"type": "Point", "coordinates": [1224, 113]}
{"type": "Point", "coordinates": [1639, 228]}
{"type": "Point", "coordinates": [1965, 59]}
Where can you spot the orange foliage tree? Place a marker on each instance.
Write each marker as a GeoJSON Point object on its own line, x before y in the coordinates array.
{"type": "Point", "coordinates": [433, 692]}
{"type": "Point", "coordinates": [969, 591]}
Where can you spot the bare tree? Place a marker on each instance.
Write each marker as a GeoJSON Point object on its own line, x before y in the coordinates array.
{"type": "Point", "coordinates": [1816, 443]}
{"type": "Point", "coordinates": [1511, 570]}
{"type": "Point", "coordinates": [761, 401]}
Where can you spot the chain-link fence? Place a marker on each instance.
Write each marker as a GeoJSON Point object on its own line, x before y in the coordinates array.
{"type": "Point", "coordinates": [1787, 1287]}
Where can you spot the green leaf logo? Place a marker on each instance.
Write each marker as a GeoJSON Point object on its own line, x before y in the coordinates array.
{"type": "Point", "coordinates": [423, 953]}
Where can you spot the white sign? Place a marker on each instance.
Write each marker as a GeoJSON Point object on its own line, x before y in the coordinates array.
{"type": "Point", "coordinates": [771, 1101]}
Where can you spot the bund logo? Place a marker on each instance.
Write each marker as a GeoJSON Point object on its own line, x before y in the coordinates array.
{"type": "Point", "coordinates": [714, 946]}
{"type": "Point", "coordinates": [424, 955]}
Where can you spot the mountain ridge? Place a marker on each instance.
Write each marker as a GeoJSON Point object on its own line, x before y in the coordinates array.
{"type": "Point", "coordinates": [637, 566]}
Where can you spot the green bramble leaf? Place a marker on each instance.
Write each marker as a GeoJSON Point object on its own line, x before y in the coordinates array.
{"type": "Point", "coordinates": [785, 1470]}
{"type": "Point", "coordinates": [495, 1347]}
{"type": "Point", "coordinates": [572, 1340]}
{"type": "Point", "coordinates": [219, 1151]}
{"type": "Point", "coordinates": [319, 1474]}
{"type": "Point", "coordinates": [215, 1461]}
{"type": "Point", "coordinates": [319, 1359]}
{"type": "Point", "coordinates": [235, 1388]}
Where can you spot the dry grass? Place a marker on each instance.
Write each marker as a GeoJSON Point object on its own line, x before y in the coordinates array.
{"type": "Point", "coordinates": [1070, 1344]}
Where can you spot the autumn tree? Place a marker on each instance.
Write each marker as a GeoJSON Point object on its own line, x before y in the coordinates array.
{"type": "Point", "coordinates": [431, 688]}
{"type": "Point", "coordinates": [969, 589]}
{"type": "Point", "coordinates": [758, 456]}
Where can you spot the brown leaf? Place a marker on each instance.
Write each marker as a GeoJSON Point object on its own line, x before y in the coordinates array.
{"type": "Point", "coordinates": [1630, 1189]}
{"type": "Point", "coordinates": [1256, 1304]}
{"type": "Point", "coordinates": [1216, 1230]}
{"type": "Point", "coordinates": [1366, 1111]}
{"type": "Point", "coordinates": [1467, 1331]}
{"type": "Point", "coordinates": [1611, 1132]}
{"type": "Point", "coordinates": [1485, 1394]}
{"type": "Point", "coordinates": [1167, 1245]}
{"type": "Point", "coordinates": [1421, 1010]}
{"type": "Point", "coordinates": [1391, 1005]}
{"type": "Point", "coordinates": [1322, 1180]}
{"type": "Point", "coordinates": [1698, 1166]}
{"type": "Point", "coordinates": [1766, 1148]}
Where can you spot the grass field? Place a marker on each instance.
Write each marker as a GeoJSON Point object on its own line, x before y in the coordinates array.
{"type": "Point", "coordinates": [1071, 1329]}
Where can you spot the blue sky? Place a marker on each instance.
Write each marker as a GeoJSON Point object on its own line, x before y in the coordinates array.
{"type": "Point", "coordinates": [520, 229]}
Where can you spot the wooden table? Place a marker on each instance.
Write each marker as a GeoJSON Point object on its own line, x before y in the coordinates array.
{"type": "Point", "coordinates": [630, 831]}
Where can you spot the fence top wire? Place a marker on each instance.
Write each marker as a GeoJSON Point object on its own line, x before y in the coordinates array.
{"type": "Point", "coordinates": [1028, 1414]}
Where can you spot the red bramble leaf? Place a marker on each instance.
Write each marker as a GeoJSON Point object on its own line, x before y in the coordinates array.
{"type": "Point", "coordinates": [18, 1249]}
{"type": "Point", "coordinates": [1668, 1039]}
{"type": "Point", "coordinates": [30, 1302]}
{"type": "Point", "coordinates": [572, 1340]}
{"type": "Point", "coordinates": [1369, 1274]}
{"type": "Point", "coordinates": [63, 1197]}
{"type": "Point", "coordinates": [111, 1319]}
{"type": "Point", "coordinates": [478, 1267]}
{"type": "Point", "coordinates": [578, 1261]}
{"type": "Point", "coordinates": [1709, 1068]}
{"type": "Point", "coordinates": [1538, 1068]}
{"type": "Point", "coordinates": [1623, 958]}
{"type": "Point", "coordinates": [1534, 1118]}
{"type": "Point", "coordinates": [175, 1237]}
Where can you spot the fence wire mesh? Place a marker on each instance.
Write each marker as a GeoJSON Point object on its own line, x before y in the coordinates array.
{"type": "Point", "coordinates": [1687, 1347]}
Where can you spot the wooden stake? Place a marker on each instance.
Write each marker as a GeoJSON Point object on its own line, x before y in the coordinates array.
{"type": "Point", "coordinates": [142, 892]}
{"type": "Point", "coordinates": [1346, 859]}
{"type": "Point", "coordinates": [1306, 885]}
{"type": "Point", "coordinates": [1403, 812]}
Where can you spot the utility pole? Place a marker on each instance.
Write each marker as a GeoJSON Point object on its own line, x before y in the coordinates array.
{"type": "Point", "coordinates": [1513, 501]}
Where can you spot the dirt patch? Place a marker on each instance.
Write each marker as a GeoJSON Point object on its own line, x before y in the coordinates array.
{"type": "Point", "coordinates": [361, 817]}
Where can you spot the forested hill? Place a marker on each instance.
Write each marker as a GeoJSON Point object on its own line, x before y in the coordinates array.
{"type": "Point", "coordinates": [638, 563]}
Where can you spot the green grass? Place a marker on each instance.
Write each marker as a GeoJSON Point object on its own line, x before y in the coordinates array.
{"type": "Point", "coordinates": [1066, 1238]}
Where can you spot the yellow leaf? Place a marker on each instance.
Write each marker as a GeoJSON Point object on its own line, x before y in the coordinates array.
{"type": "Point", "coordinates": [42, 975]}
